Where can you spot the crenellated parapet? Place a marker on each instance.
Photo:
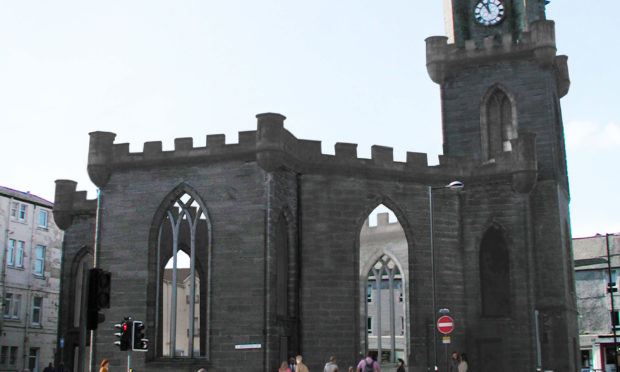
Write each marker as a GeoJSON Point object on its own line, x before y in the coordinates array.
{"type": "Point", "coordinates": [443, 60]}
{"type": "Point", "coordinates": [68, 203]}
{"type": "Point", "coordinates": [273, 147]}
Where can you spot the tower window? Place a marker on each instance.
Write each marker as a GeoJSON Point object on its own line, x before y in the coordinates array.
{"type": "Point", "coordinates": [498, 122]}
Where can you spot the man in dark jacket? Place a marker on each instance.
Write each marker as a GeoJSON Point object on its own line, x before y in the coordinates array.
{"type": "Point", "coordinates": [453, 366]}
{"type": "Point", "coordinates": [49, 368]}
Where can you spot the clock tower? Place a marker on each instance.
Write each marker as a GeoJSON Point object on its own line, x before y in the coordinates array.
{"type": "Point", "coordinates": [501, 83]}
{"type": "Point", "coordinates": [470, 19]}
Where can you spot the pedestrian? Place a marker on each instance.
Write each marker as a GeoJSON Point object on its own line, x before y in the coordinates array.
{"type": "Point", "coordinates": [368, 364]}
{"type": "Point", "coordinates": [463, 364]}
{"type": "Point", "coordinates": [300, 366]}
{"type": "Point", "coordinates": [284, 367]}
{"type": "Point", "coordinates": [291, 364]}
{"type": "Point", "coordinates": [351, 369]}
{"type": "Point", "coordinates": [62, 368]}
{"type": "Point", "coordinates": [104, 365]}
{"type": "Point", "coordinates": [401, 365]}
{"type": "Point", "coordinates": [453, 365]}
{"type": "Point", "coordinates": [49, 368]}
{"type": "Point", "coordinates": [331, 366]}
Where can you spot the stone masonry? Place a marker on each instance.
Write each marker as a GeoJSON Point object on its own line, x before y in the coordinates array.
{"type": "Point", "coordinates": [273, 199]}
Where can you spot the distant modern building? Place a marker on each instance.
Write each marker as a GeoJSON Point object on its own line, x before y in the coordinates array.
{"type": "Point", "coordinates": [592, 275]}
{"type": "Point", "coordinates": [29, 281]}
{"type": "Point", "coordinates": [181, 328]}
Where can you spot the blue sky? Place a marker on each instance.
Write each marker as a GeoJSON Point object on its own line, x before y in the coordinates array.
{"type": "Point", "coordinates": [341, 71]}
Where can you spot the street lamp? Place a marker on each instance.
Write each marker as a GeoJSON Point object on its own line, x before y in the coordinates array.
{"type": "Point", "coordinates": [454, 185]}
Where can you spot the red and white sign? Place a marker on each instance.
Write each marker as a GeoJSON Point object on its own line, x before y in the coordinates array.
{"type": "Point", "coordinates": [445, 325]}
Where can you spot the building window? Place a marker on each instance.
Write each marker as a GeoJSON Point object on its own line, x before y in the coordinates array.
{"type": "Point", "coordinates": [39, 260]}
{"type": "Point", "coordinates": [36, 310]}
{"type": "Point", "coordinates": [614, 319]}
{"type": "Point", "coordinates": [498, 122]}
{"type": "Point", "coordinates": [14, 208]}
{"type": "Point", "coordinates": [33, 359]}
{"type": "Point", "coordinates": [10, 253]}
{"type": "Point", "coordinates": [19, 254]}
{"type": "Point", "coordinates": [23, 208]}
{"type": "Point", "coordinates": [17, 299]}
{"type": "Point", "coordinates": [369, 325]}
{"type": "Point", "coordinates": [11, 305]}
{"type": "Point", "coordinates": [4, 355]}
{"type": "Point", "coordinates": [43, 219]}
{"type": "Point", "coordinates": [402, 325]}
{"type": "Point", "coordinates": [13, 356]}
{"type": "Point", "coordinates": [369, 293]}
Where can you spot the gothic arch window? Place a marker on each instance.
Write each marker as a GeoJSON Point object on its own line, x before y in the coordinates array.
{"type": "Point", "coordinates": [183, 264]}
{"type": "Point", "coordinates": [384, 284]}
{"type": "Point", "coordinates": [286, 286]}
{"type": "Point", "coordinates": [82, 263]}
{"type": "Point", "coordinates": [494, 274]}
{"type": "Point", "coordinates": [498, 121]}
{"type": "Point", "coordinates": [286, 271]}
{"type": "Point", "coordinates": [77, 348]}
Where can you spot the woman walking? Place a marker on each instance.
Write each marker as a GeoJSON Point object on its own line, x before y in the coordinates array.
{"type": "Point", "coordinates": [463, 363]}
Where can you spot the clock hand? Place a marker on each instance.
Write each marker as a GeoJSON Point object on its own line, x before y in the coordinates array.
{"type": "Point", "coordinates": [488, 6]}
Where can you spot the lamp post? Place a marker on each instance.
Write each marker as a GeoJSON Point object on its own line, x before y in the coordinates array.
{"type": "Point", "coordinates": [455, 185]}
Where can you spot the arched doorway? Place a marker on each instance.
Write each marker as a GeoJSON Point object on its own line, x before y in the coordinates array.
{"type": "Point", "coordinates": [384, 305]}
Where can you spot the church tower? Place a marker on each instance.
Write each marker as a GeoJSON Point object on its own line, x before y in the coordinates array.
{"type": "Point", "coordinates": [501, 80]}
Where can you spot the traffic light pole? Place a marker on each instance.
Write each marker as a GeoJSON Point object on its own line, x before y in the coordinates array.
{"type": "Point", "coordinates": [128, 361]}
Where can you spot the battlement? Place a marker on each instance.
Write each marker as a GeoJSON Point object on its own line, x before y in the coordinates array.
{"type": "Point", "coordinates": [274, 148]}
{"type": "Point", "coordinates": [68, 202]}
{"type": "Point", "coordinates": [443, 59]}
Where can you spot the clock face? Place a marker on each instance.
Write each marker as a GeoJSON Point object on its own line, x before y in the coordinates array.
{"type": "Point", "coordinates": [489, 12]}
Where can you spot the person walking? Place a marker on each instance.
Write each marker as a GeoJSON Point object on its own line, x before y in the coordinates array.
{"type": "Point", "coordinates": [453, 365]}
{"type": "Point", "coordinates": [463, 366]}
{"type": "Point", "coordinates": [284, 367]}
{"type": "Point", "coordinates": [368, 364]}
{"type": "Point", "coordinates": [401, 365]}
{"type": "Point", "coordinates": [291, 364]}
{"type": "Point", "coordinates": [300, 366]}
{"type": "Point", "coordinates": [49, 368]}
{"type": "Point", "coordinates": [331, 366]}
{"type": "Point", "coordinates": [104, 365]}
{"type": "Point", "coordinates": [62, 368]}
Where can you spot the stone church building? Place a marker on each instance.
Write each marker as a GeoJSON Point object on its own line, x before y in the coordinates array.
{"type": "Point", "coordinates": [272, 226]}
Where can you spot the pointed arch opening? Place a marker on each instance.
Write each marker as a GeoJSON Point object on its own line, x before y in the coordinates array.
{"type": "Point", "coordinates": [498, 121]}
{"type": "Point", "coordinates": [286, 285]}
{"type": "Point", "coordinates": [79, 348]}
{"type": "Point", "coordinates": [495, 274]}
{"type": "Point", "coordinates": [383, 278]}
{"type": "Point", "coordinates": [183, 248]}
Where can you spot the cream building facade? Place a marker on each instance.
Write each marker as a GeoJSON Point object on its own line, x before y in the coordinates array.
{"type": "Point", "coordinates": [181, 330]}
{"type": "Point", "coordinates": [29, 281]}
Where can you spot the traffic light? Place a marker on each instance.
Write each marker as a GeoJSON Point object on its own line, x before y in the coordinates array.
{"type": "Point", "coordinates": [125, 330]}
{"type": "Point", "coordinates": [138, 342]}
{"type": "Point", "coordinates": [98, 296]}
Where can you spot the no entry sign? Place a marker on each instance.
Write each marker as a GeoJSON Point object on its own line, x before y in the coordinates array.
{"type": "Point", "coordinates": [445, 325]}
